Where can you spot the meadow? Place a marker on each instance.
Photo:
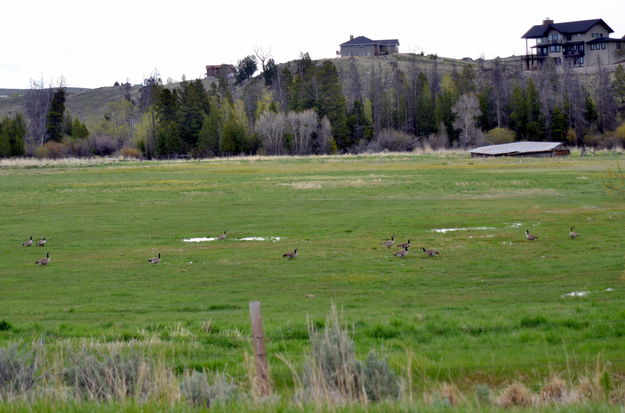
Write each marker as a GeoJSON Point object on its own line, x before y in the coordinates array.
{"type": "Point", "coordinates": [493, 308]}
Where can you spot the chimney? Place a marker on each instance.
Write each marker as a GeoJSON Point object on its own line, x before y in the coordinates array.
{"type": "Point", "coordinates": [351, 37]}
{"type": "Point", "coordinates": [547, 22]}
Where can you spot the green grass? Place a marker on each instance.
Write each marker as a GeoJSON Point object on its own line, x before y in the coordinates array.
{"type": "Point", "coordinates": [489, 309]}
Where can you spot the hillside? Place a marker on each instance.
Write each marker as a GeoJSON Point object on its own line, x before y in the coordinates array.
{"type": "Point", "coordinates": [89, 104]}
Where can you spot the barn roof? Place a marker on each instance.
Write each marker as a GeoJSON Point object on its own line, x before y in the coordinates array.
{"type": "Point", "coordinates": [516, 148]}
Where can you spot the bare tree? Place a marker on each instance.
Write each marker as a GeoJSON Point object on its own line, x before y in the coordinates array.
{"type": "Point", "coordinates": [271, 127]}
{"type": "Point", "coordinates": [466, 111]}
{"type": "Point", "coordinates": [324, 137]}
{"type": "Point", "coordinates": [37, 104]}
{"type": "Point", "coordinates": [302, 125]}
{"type": "Point", "coordinates": [262, 55]}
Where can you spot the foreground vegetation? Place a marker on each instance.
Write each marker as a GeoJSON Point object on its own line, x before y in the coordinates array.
{"type": "Point", "coordinates": [492, 310]}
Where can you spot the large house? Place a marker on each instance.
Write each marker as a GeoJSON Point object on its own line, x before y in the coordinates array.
{"type": "Point", "coordinates": [578, 43]}
{"type": "Point", "coordinates": [363, 46]}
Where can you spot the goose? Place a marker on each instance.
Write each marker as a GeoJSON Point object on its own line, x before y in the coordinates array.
{"type": "Point", "coordinates": [44, 261]}
{"type": "Point", "coordinates": [42, 242]}
{"type": "Point", "coordinates": [389, 243]}
{"type": "Point", "coordinates": [430, 253]}
{"type": "Point", "coordinates": [28, 242]}
{"type": "Point", "coordinates": [405, 245]}
{"type": "Point", "coordinates": [402, 253]}
{"type": "Point", "coordinates": [291, 255]}
{"type": "Point", "coordinates": [529, 236]}
{"type": "Point", "coordinates": [573, 234]}
{"type": "Point", "coordinates": [155, 260]}
{"type": "Point", "coordinates": [222, 236]}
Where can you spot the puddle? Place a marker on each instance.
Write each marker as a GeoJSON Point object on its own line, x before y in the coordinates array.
{"type": "Point", "coordinates": [445, 230]}
{"type": "Point", "coordinates": [576, 294]}
{"type": "Point", "coordinates": [515, 225]}
{"type": "Point", "coordinates": [609, 289]}
{"type": "Point", "coordinates": [208, 239]}
{"type": "Point", "coordinates": [272, 239]}
{"type": "Point", "coordinates": [200, 239]}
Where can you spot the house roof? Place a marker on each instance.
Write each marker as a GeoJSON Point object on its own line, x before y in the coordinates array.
{"type": "Point", "coordinates": [516, 148]}
{"type": "Point", "coordinates": [580, 26]}
{"type": "Point", "coordinates": [605, 39]}
{"type": "Point", "coordinates": [362, 41]}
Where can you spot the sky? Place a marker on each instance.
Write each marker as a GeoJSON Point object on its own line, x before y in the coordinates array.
{"type": "Point", "coordinates": [93, 43]}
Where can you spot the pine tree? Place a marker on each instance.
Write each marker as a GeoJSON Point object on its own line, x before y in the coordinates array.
{"type": "Point", "coordinates": [518, 112]}
{"type": "Point", "coordinates": [232, 137]}
{"type": "Point", "coordinates": [54, 118]}
{"type": "Point", "coordinates": [5, 145]}
{"type": "Point", "coordinates": [425, 118]}
{"type": "Point", "coordinates": [360, 128]}
{"type": "Point", "coordinates": [193, 106]}
{"type": "Point", "coordinates": [619, 83]}
{"type": "Point", "coordinates": [208, 137]}
{"type": "Point", "coordinates": [559, 124]}
{"type": "Point", "coordinates": [332, 103]}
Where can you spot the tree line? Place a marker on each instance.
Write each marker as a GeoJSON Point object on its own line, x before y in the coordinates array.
{"type": "Point", "coordinates": [307, 107]}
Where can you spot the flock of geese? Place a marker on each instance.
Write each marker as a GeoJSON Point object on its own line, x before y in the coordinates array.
{"type": "Point", "coordinates": [41, 243]}
{"type": "Point", "coordinates": [402, 252]}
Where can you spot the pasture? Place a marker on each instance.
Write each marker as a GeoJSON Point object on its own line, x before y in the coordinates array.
{"type": "Point", "coordinates": [493, 307]}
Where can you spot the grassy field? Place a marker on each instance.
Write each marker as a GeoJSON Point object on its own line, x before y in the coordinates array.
{"type": "Point", "coordinates": [491, 308]}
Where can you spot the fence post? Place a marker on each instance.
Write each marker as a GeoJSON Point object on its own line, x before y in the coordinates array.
{"type": "Point", "coordinates": [258, 341]}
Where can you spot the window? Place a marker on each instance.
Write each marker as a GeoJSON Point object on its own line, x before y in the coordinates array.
{"type": "Point", "coordinates": [569, 37]}
{"type": "Point", "coordinates": [603, 45]}
{"type": "Point", "coordinates": [592, 46]}
{"type": "Point", "coordinates": [554, 49]}
{"type": "Point", "coordinates": [580, 61]}
{"type": "Point", "coordinates": [555, 37]}
{"type": "Point", "coordinates": [618, 45]}
{"type": "Point", "coordinates": [581, 47]}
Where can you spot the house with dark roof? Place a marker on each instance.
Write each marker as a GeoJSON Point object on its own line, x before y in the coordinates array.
{"type": "Point", "coordinates": [363, 46]}
{"type": "Point", "coordinates": [578, 43]}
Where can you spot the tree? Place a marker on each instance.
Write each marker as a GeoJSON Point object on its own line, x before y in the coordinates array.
{"type": "Point", "coordinates": [54, 118]}
{"type": "Point", "coordinates": [498, 136]}
{"type": "Point", "coordinates": [233, 137]}
{"type": "Point", "coordinates": [425, 118]}
{"type": "Point", "coordinates": [246, 68]}
{"type": "Point", "coordinates": [619, 83]}
{"type": "Point", "coordinates": [559, 124]}
{"type": "Point", "coordinates": [209, 136]}
{"type": "Point", "coordinates": [466, 110]}
{"type": "Point", "coordinates": [303, 127]}
{"type": "Point", "coordinates": [37, 103]}
{"type": "Point", "coordinates": [193, 105]}
{"type": "Point", "coordinates": [332, 103]}
{"type": "Point", "coordinates": [271, 128]}
{"type": "Point", "coordinates": [270, 70]}
{"type": "Point", "coordinates": [360, 128]}
{"type": "Point", "coordinates": [518, 112]}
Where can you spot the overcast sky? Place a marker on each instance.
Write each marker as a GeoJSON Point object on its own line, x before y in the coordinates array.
{"type": "Point", "coordinates": [95, 43]}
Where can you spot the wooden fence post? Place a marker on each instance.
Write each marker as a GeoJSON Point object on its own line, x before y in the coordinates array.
{"type": "Point", "coordinates": [258, 341]}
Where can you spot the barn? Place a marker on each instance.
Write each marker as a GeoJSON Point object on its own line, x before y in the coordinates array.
{"type": "Point", "coordinates": [525, 148]}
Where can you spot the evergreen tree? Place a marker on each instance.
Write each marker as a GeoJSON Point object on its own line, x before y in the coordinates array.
{"type": "Point", "coordinates": [208, 137]}
{"type": "Point", "coordinates": [18, 134]}
{"type": "Point", "coordinates": [270, 71]}
{"type": "Point", "coordinates": [168, 142]}
{"type": "Point", "coordinates": [590, 112]}
{"type": "Point", "coordinates": [332, 103]}
{"type": "Point", "coordinates": [487, 119]}
{"type": "Point", "coordinates": [619, 83]}
{"type": "Point", "coordinates": [360, 128]}
{"type": "Point", "coordinates": [193, 106]}
{"type": "Point", "coordinates": [246, 68]}
{"type": "Point", "coordinates": [535, 118]}
{"type": "Point", "coordinates": [54, 118]}
{"type": "Point", "coordinates": [79, 129]}
{"type": "Point", "coordinates": [232, 138]}
{"type": "Point", "coordinates": [559, 124]}
{"type": "Point", "coordinates": [425, 118]}
{"type": "Point", "coordinates": [5, 145]}
{"type": "Point", "coordinates": [518, 112]}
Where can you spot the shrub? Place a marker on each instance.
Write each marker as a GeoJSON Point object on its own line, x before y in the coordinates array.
{"type": "Point", "coordinates": [17, 370]}
{"type": "Point", "coordinates": [392, 140]}
{"type": "Point", "coordinates": [380, 381]}
{"type": "Point", "coordinates": [78, 147]}
{"type": "Point", "coordinates": [5, 325]}
{"type": "Point", "coordinates": [332, 372]}
{"type": "Point", "coordinates": [51, 150]}
{"type": "Point", "coordinates": [114, 376]}
{"type": "Point", "coordinates": [515, 395]}
{"type": "Point", "coordinates": [127, 152]}
{"type": "Point", "coordinates": [102, 145]}
{"type": "Point", "coordinates": [554, 391]}
{"type": "Point", "coordinates": [499, 135]}
{"type": "Point", "coordinates": [619, 133]}
{"type": "Point", "coordinates": [197, 390]}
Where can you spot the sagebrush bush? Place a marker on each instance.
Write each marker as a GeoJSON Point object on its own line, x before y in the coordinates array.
{"type": "Point", "coordinates": [18, 368]}
{"type": "Point", "coordinates": [203, 391]}
{"type": "Point", "coordinates": [114, 376]}
{"type": "Point", "coordinates": [381, 383]}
